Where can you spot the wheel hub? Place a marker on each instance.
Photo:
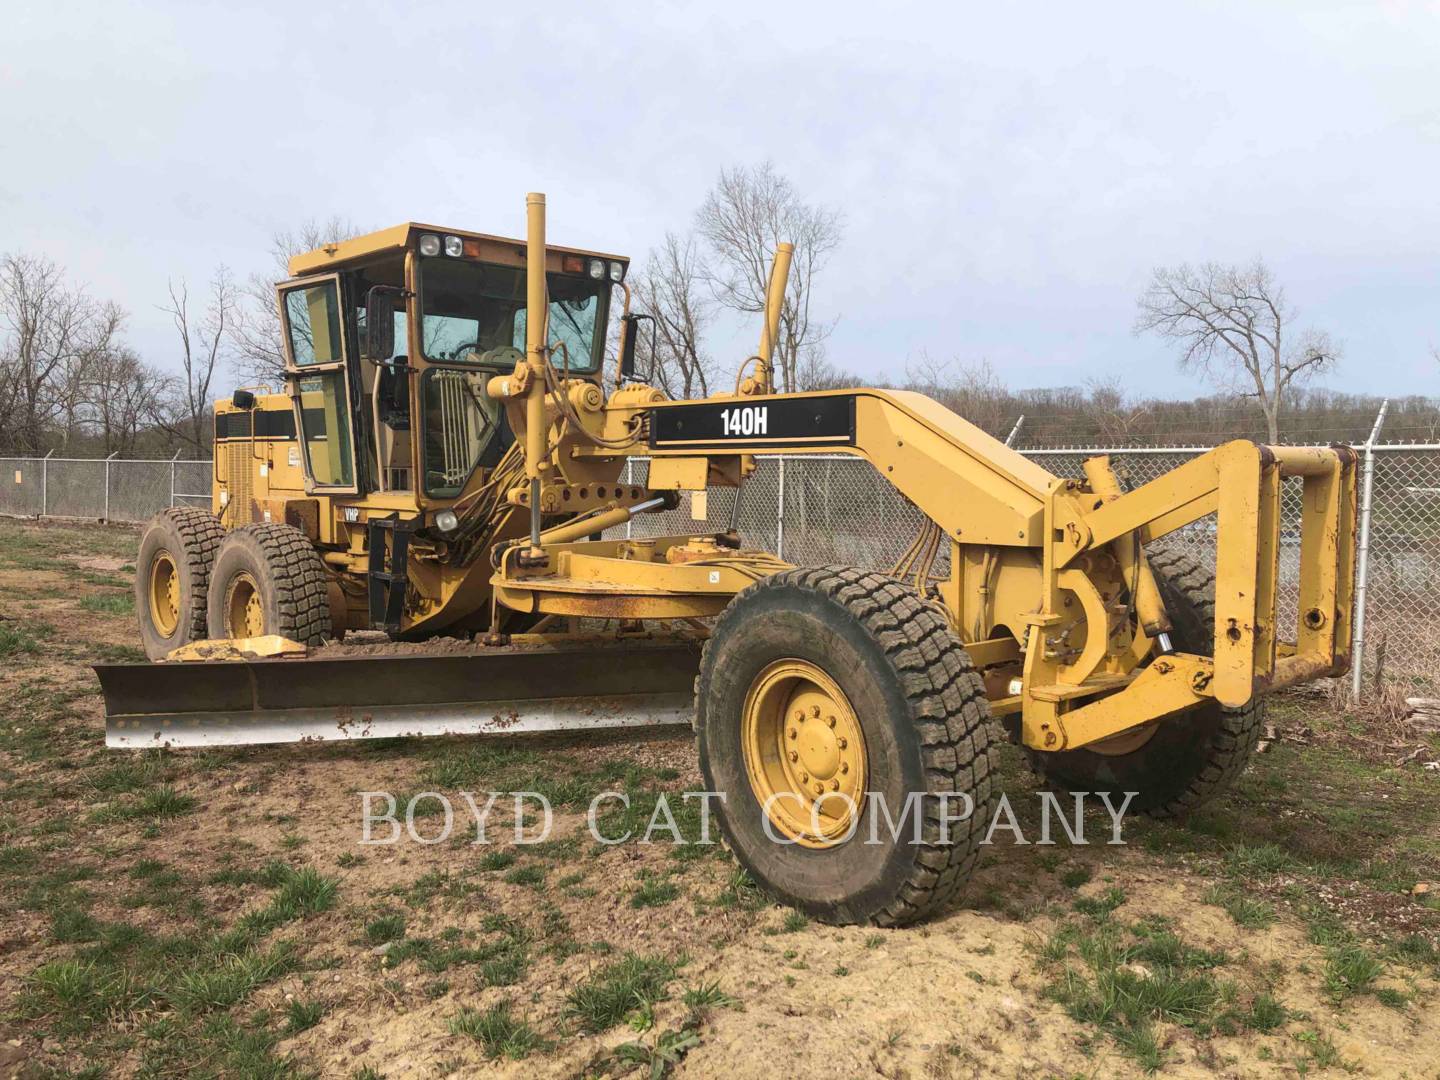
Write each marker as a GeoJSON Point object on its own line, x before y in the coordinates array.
{"type": "Point", "coordinates": [804, 753]}
{"type": "Point", "coordinates": [164, 594]}
{"type": "Point", "coordinates": [244, 611]}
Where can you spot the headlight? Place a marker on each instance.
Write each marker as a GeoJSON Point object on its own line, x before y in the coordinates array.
{"type": "Point", "coordinates": [429, 244]}
{"type": "Point", "coordinates": [454, 246]}
{"type": "Point", "coordinates": [446, 521]}
{"type": "Point", "coordinates": [617, 271]}
{"type": "Point", "coordinates": [597, 268]}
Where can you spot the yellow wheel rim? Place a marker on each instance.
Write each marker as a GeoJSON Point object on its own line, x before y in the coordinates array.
{"type": "Point", "coordinates": [804, 753]}
{"type": "Point", "coordinates": [244, 613]}
{"type": "Point", "coordinates": [164, 594]}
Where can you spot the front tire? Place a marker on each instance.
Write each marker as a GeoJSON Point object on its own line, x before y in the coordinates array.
{"type": "Point", "coordinates": [268, 579]}
{"type": "Point", "coordinates": [797, 667]}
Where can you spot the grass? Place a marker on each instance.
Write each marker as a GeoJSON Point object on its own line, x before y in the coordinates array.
{"type": "Point", "coordinates": [161, 802]}
{"type": "Point", "coordinates": [109, 603]}
{"type": "Point", "coordinates": [707, 996]}
{"type": "Point", "coordinates": [1350, 970]}
{"type": "Point", "coordinates": [496, 860]}
{"type": "Point", "coordinates": [302, 1015]}
{"type": "Point", "coordinates": [17, 638]}
{"type": "Point", "coordinates": [607, 997]}
{"type": "Point", "coordinates": [498, 1031]}
{"type": "Point", "coordinates": [1127, 979]}
{"type": "Point", "coordinates": [653, 890]}
{"type": "Point", "coordinates": [1100, 907]}
{"type": "Point", "coordinates": [1248, 912]}
{"type": "Point", "coordinates": [531, 875]}
{"type": "Point", "coordinates": [231, 978]}
{"type": "Point", "coordinates": [385, 928]}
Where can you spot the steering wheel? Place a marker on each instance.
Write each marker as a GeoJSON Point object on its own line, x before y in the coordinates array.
{"type": "Point", "coordinates": [500, 356]}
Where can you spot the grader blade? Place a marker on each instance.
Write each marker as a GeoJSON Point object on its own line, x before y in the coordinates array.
{"type": "Point", "coordinates": [498, 691]}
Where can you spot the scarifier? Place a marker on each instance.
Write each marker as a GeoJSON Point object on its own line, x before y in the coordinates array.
{"type": "Point", "coordinates": [445, 465]}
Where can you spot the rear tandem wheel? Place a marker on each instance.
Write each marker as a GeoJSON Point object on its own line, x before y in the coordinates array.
{"type": "Point", "coordinates": [823, 692]}
{"type": "Point", "coordinates": [172, 577]}
{"type": "Point", "coordinates": [269, 579]}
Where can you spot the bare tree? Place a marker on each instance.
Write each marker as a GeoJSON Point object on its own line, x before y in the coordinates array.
{"type": "Point", "coordinates": [124, 396]}
{"type": "Point", "coordinates": [817, 373]}
{"type": "Point", "coordinates": [1114, 412]}
{"type": "Point", "coordinates": [670, 288]}
{"type": "Point", "coordinates": [1234, 326]}
{"type": "Point", "coordinates": [202, 347]}
{"type": "Point", "coordinates": [49, 330]}
{"type": "Point", "coordinates": [258, 350]}
{"type": "Point", "coordinates": [744, 216]}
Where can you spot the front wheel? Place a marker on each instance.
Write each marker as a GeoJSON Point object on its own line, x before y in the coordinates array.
{"type": "Point", "coordinates": [848, 735]}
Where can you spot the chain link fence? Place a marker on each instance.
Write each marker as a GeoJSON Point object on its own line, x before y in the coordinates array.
{"type": "Point", "coordinates": [820, 509]}
{"type": "Point", "coordinates": [100, 489]}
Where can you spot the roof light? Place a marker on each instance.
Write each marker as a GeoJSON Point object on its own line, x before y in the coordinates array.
{"type": "Point", "coordinates": [572, 264]}
{"type": "Point", "coordinates": [617, 271]}
{"type": "Point", "coordinates": [446, 521]}
{"type": "Point", "coordinates": [472, 247]}
{"type": "Point", "coordinates": [429, 244]}
{"type": "Point", "coordinates": [454, 246]}
{"type": "Point", "coordinates": [597, 268]}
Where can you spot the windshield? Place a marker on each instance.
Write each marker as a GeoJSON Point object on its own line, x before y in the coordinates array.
{"type": "Point", "coordinates": [469, 309]}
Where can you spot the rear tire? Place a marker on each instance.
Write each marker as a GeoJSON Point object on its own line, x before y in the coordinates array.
{"type": "Point", "coordinates": [1191, 757]}
{"type": "Point", "coordinates": [899, 676]}
{"type": "Point", "coordinates": [172, 577]}
{"type": "Point", "coordinates": [269, 579]}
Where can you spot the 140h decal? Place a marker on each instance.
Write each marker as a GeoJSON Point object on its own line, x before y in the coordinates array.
{"type": "Point", "coordinates": [746, 420]}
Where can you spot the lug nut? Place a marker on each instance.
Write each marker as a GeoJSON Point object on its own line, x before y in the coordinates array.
{"type": "Point", "coordinates": [830, 720]}
{"type": "Point", "coordinates": [794, 756]}
{"type": "Point", "coordinates": [814, 710]}
{"type": "Point", "coordinates": [844, 767]}
{"type": "Point", "coordinates": [804, 777]}
{"type": "Point", "coordinates": [819, 789]}
{"type": "Point", "coordinates": [834, 785]}
{"type": "Point", "coordinates": [799, 715]}
{"type": "Point", "coordinates": [793, 733]}
{"type": "Point", "coordinates": [842, 742]}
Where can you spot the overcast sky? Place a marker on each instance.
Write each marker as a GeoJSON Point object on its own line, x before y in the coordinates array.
{"type": "Point", "coordinates": [1009, 174]}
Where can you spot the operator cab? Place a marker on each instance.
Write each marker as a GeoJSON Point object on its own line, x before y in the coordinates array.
{"type": "Point", "coordinates": [450, 313]}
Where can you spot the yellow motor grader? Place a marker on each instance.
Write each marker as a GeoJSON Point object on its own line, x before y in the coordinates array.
{"type": "Point", "coordinates": [446, 465]}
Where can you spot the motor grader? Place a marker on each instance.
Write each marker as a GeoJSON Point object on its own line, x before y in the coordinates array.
{"type": "Point", "coordinates": [445, 465]}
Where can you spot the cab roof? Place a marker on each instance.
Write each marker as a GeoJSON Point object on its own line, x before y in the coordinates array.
{"type": "Point", "coordinates": [398, 238]}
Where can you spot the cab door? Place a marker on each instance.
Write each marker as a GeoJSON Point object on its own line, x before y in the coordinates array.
{"type": "Point", "coordinates": [319, 379]}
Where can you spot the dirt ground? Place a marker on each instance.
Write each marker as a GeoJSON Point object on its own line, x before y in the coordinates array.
{"type": "Point", "coordinates": [216, 914]}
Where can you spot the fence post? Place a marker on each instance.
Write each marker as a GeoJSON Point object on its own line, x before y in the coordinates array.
{"type": "Point", "coordinates": [780, 513]}
{"type": "Point", "coordinates": [1014, 431]}
{"type": "Point", "coordinates": [172, 477]}
{"type": "Point", "coordinates": [106, 518]}
{"type": "Point", "coordinates": [45, 484]}
{"type": "Point", "coordinates": [1362, 556]}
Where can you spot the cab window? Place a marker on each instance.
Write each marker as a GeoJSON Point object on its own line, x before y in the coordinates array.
{"type": "Point", "coordinates": [312, 315]}
{"type": "Point", "coordinates": [471, 309]}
